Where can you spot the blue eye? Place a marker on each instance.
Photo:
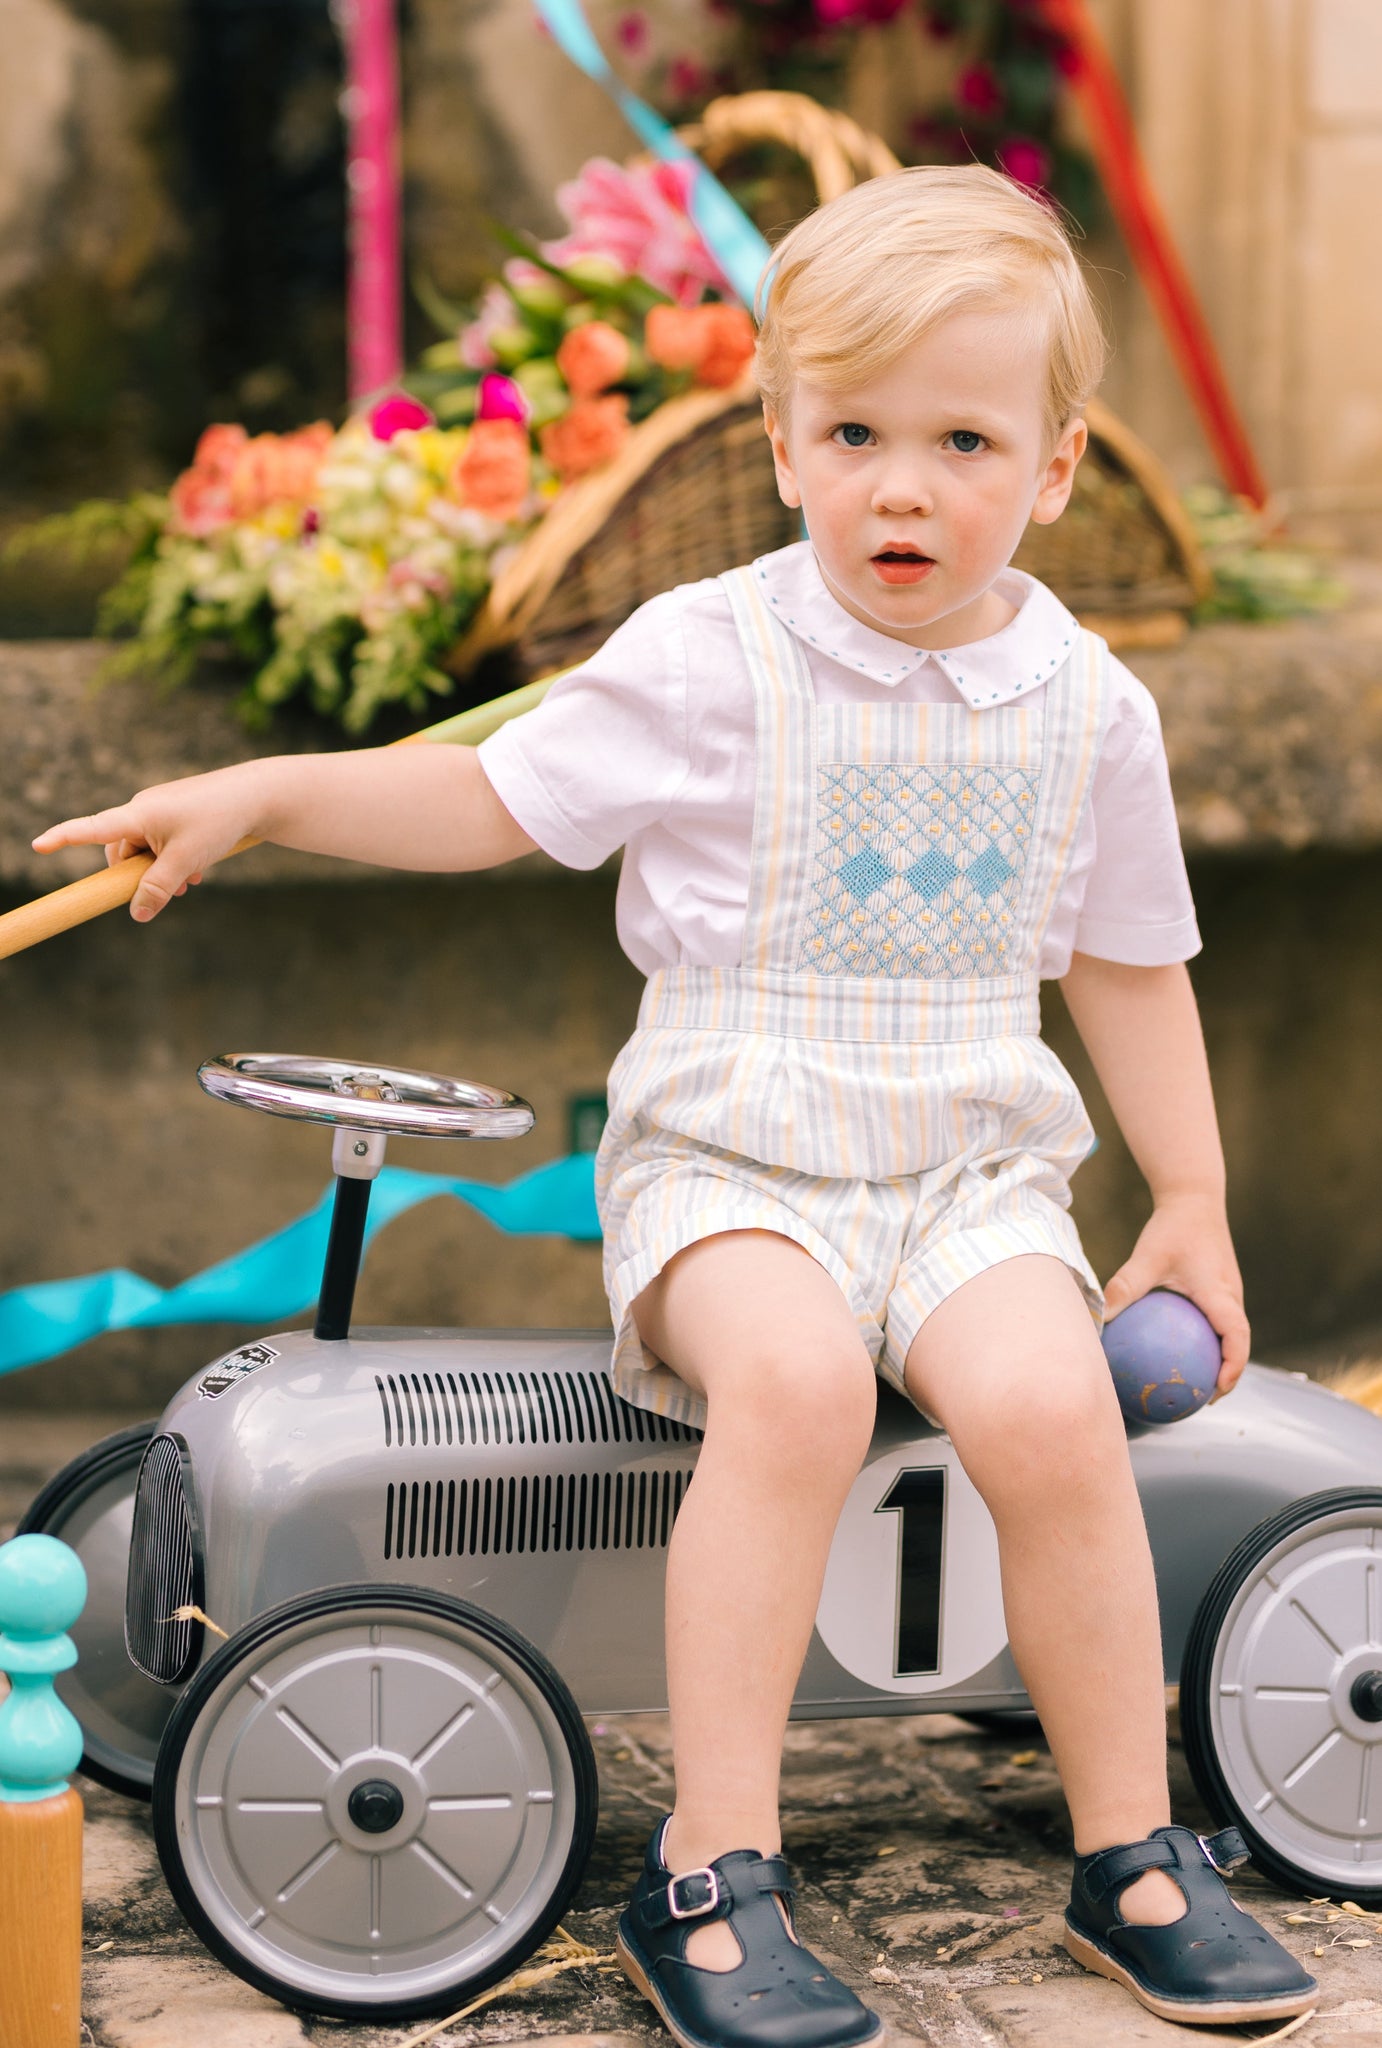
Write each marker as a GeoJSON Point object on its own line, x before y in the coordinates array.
{"type": "Point", "coordinates": [965, 442]}
{"type": "Point", "coordinates": [853, 434]}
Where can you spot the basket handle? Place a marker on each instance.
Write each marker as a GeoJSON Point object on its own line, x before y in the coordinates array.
{"type": "Point", "coordinates": [840, 153]}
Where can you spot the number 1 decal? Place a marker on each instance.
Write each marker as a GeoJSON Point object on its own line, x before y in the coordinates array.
{"type": "Point", "coordinates": [912, 1601]}
{"type": "Point", "coordinates": [917, 1498]}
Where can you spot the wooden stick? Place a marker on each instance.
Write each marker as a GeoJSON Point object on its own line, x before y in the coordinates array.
{"type": "Point", "coordinates": [110, 887]}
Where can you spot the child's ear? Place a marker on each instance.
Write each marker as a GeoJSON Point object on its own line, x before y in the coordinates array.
{"type": "Point", "coordinates": [1058, 477]}
{"type": "Point", "coordinates": [787, 487]}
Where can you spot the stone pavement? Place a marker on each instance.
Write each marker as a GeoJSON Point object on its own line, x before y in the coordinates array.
{"type": "Point", "coordinates": [932, 1857]}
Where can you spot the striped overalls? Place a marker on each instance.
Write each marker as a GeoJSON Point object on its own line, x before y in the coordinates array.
{"type": "Point", "coordinates": [870, 1081]}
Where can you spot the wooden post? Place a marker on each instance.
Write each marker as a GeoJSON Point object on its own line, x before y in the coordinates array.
{"type": "Point", "coordinates": [42, 1591]}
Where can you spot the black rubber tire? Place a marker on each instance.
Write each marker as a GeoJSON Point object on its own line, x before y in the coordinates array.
{"type": "Point", "coordinates": [1196, 1719]}
{"type": "Point", "coordinates": [336, 1600]}
{"type": "Point", "coordinates": [50, 1513]}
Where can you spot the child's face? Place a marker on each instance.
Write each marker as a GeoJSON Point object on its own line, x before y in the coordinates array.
{"type": "Point", "coordinates": [917, 486]}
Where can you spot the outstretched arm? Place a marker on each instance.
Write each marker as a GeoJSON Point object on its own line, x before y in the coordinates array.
{"type": "Point", "coordinates": [1142, 1031]}
{"type": "Point", "coordinates": [425, 807]}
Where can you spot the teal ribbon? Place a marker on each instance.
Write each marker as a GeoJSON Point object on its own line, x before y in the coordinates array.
{"type": "Point", "coordinates": [725, 228]}
{"type": "Point", "coordinates": [277, 1278]}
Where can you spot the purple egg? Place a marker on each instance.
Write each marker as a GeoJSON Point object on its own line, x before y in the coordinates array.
{"type": "Point", "coordinates": [1164, 1355]}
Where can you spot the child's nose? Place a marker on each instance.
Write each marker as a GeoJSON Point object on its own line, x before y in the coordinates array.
{"type": "Point", "coordinates": [903, 488]}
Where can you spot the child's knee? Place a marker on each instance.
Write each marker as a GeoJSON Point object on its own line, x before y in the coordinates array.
{"type": "Point", "coordinates": [812, 1407]}
{"type": "Point", "coordinates": [1048, 1429]}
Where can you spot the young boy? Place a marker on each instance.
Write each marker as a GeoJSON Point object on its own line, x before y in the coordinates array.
{"type": "Point", "coordinates": [871, 789]}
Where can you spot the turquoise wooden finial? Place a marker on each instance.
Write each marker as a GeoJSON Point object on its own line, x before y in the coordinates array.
{"type": "Point", "coordinates": [42, 1591]}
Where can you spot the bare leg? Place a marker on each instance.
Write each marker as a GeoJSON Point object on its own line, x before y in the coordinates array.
{"type": "Point", "coordinates": [1012, 1368]}
{"type": "Point", "coordinates": [751, 1321]}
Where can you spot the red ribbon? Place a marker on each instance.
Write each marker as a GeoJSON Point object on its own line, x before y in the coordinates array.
{"type": "Point", "coordinates": [1138, 213]}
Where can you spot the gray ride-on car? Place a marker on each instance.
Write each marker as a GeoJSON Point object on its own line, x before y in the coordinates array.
{"type": "Point", "coordinates": [433, 1552]}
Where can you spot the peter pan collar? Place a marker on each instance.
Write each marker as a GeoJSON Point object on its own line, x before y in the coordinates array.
{"type": "Point", "coordinates": [1025, 652]}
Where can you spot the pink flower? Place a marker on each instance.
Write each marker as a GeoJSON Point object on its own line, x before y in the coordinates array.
{"type": "Point", "coordinates": [1025, 161]}
{"type": "Point", "coordinates": [640, 218]}
{"type": "Point", "coordinates": [852, 13]}
{"type": "Point", "coordinates": [397, 415]}
{"type": "Point", "coordinates": [501, 399]}
{"type": "Point", "coordinates": [631, 32]}
{"type": "Point", "coordinates": [686, 78]}
{"type": "Point", "coordinates": [977, 90]}
{"type": "Point", "coordinates": [415, 584]}
{"type": "Point", "coordinates": [496, 311]}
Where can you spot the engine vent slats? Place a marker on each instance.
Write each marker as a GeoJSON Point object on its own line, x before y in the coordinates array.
{"type": "Point", "coordinates": [507, 1407]}
{"type": "Point", "coordinates": [163, 1569]}
{"type": "Point", "coordinates": [537, 1512]}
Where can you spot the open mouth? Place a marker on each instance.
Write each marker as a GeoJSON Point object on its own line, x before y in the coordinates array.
{"type": "Point", "coordinates": [902, 565]}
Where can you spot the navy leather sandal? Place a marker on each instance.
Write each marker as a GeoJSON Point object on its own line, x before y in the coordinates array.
{"type": "Point", "coordinates": [779, 1996]}
{"type": "Point", "coordinates": [1214, 1964]}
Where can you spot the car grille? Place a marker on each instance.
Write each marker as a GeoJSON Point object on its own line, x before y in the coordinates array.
{"type": "Point", "coordinates": [516, 1408]}
{"type": "Point", "coordinates": [165, 1569]}
{"type": "Point", "coordinates": [557, 1511]}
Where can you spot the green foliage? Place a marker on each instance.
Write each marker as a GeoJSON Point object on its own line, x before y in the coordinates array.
{"type": "Point", "coordinates": [90, 530]}
{"type": "Point", "coordinates": [1255, 577]}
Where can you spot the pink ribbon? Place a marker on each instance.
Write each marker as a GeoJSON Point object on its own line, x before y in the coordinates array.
{"type": "Point", "coordinates": [374, 305]}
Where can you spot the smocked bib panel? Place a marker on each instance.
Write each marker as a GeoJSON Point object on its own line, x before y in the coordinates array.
{"type": "Point", "coordinates": [869, 1081]}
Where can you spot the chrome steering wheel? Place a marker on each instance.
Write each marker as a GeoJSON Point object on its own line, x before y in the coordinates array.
{"type": "Point", "coordinates": [387, 1101]}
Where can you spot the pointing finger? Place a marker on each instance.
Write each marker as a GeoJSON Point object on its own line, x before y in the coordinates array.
{"type": "Point", "coordinates": [101, 828]}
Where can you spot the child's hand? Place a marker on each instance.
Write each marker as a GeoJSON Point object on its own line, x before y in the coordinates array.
{"type": "Point", "coordinates": [1186, 1246]}
{"type": "Point", "coordinates": [187, 826]}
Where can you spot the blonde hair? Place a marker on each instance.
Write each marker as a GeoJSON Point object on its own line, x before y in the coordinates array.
{"type": "Point", "coordinates": [868, 274]}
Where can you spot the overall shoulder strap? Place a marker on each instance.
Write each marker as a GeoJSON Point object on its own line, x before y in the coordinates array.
{"type": "Point", "coordinates": [1075, 721]}
{"type": "Point", "coordinates": [785, 770]}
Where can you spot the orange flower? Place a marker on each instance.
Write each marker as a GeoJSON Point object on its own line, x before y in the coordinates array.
{"type": "Point", "coordinates": [592, 357]}
{"type": "Point", "coordinates": [233, 477]}
{"type": "Point", "coordinates": [672, 335]}
{"type": "Point", "coordinates": [728, 341]}
{"type": "Point", "coordinates": [594, 430]}
{"type": "Point", "coordinates": [200, 502]}
{"type": "Point", "coordinates": [218, 450]}
{"type": "Point", "coordinates": [713, 342]}
{"type": "Point", "coordinates": [200, 497]}
{"type": "Point", "coordinates": [492, 474]}
{"type": "Point", "coordinates": [274, 468]}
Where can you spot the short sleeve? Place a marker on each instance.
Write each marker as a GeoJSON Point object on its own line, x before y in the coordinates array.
{"type": "Point", "coordinates": [606, 751]}
{"type": "Point", "coordinates": [1137, 908]}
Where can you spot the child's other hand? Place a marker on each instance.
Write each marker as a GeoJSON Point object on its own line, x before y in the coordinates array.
{"type": "Point", "coordinates": [186, 826]}
{"type": "Point", "coordinates": [1186, 1246]}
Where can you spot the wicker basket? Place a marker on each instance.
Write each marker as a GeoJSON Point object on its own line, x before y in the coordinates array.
{"type": "Point", "coordinates": [693, 492]}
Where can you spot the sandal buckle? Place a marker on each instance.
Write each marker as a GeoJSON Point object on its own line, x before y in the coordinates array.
{"type": "Point", "coordinates": [705, 1906]}
{"type": "Point", "coordinates": [1224, 1869]}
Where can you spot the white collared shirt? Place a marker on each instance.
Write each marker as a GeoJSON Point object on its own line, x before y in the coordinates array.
{"type": "Point", "coordinates": [649, 745]}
